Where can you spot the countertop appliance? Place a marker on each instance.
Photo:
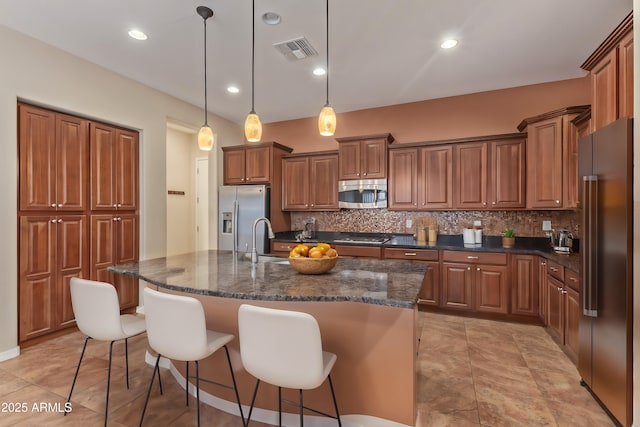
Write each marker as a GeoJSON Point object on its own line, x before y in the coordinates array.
{"type": "Point", "coordinates": [362, 194]}
{"type": "Point", "coordinates": [238, 208]}
{"type": "Point", "coordinates": [605, 353]}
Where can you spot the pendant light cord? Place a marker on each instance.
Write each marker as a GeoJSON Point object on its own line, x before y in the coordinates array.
{"type": "Point", "coordinates": [205, 73]}
{"type": "Point", "coordinates": [327, 52]}
{"type": "Point", "coordinates": [253, 54]}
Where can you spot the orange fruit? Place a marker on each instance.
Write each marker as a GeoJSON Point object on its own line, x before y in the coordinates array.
{"type": "Point", "coordinates": [303, 249]}
{"type": "Point", "coordinates": [332, 253]}
{"type": "Point", "coordinates": [295, 253]}
{"type": "Point", "coordinates": [324, 247]}
{"type": "Point", "coordinates": [315, 253]}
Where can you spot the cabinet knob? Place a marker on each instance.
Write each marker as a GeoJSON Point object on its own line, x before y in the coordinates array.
{"type": "Point", "coordinates": [365, 174]}
{"type": "Point", "coordinates": [484, 203]}
{"type": "Point", "coordinates": [468, 268]}
{"type": "Point", "coordinates": [471, 257]}
{"type": "Point", "coordinates": [312, 205]}
{"type": "Point", "coordinates": [543, 263]}
{"type": "Point", "coordinates": [241, 179]}
{"type": "Point", "coordinates": [557, 202]}
{"type": "Point", "coordinates": [59, 220]}
{"type": "Point", "coordinates": [358, 174]}
{"type": "Point", "coordinates": [119, 205]}
{"type": "Point", "coordinates": [53, 220]}
{"type": "Point", "coordinates": [559, 289]}
{"type": "Point", "coordinates": [573, 279]}
{"type": "Point", "coordinates": [564, 292]}
{"type": "Point", "coordinates": [248, 179]}
{"type": "Point", "coordinates": [493, 203]}
{"type": "Point", "coordinates": [53, 205]}
{"type": "Point", "coordinates": [115, 206]}
{"type": "Point", "coordinates": [415, 204]}
{"type": "Point", "coordinates": [477, 268]}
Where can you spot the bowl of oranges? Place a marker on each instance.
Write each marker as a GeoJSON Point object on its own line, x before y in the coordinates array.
{"type": "Point", "coordinates": [317, 259]}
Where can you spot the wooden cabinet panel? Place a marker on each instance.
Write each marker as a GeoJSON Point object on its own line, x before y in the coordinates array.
{"type": "Point", "coordinates": [403, 176]}
{"type": "Point", "coordinates": [555, 310]}
{"type": "Point", "coordinates": [604, 90]}
{"type": "Point", "coordinates": [363, 157]}
{"type": "Point", "coordinates": [507, 181]}
{"type": "Point", "coordinates": [524, 285]}
{"type": "Point", "coordinates": [126, 172]}
{"type": "Point", "coordinates": [544, 164]}
{"type": "Point", "coordinates": [53, 168]}
{"type": "Point", "coordinates": [572, 315]}
{"type": "Point", "coordinates": [435, 177]}
{"type": "Point", "coordinates": [310, 183]}
{"type": "Point", "coordinates": [476, 257]}
{"type": "Point", "coordinates": [411, 254]}
{"type": "Point", "coordinates": [471, 176]}
{"type": "Point", "coordinates": [234, 166]}
{"type": "Point", "coordinates": [103, 249]}
{"type": "Point", "coordinates": [457, 286]}
{"type": "Point", "coordinates": [323, 187]}
{"type": "Point", "coordinates": [625, 71]}
{"type": "Point", "coordinates": [542, 277]}
{"type": "Point", "coordinates": [491, 289]}
{"type": "Point", "coordinates": [295, 178]}
{"type": "Point", "coordinates": [52, 250]}
{"type": "Point", "coordinates": [359, 251]}
{"type": "Point", "coordinates": [103, 167]}
{"type": "Point", "coordinates": [258, 165]}
{"type": "Point", "coordinates": [430, 291]}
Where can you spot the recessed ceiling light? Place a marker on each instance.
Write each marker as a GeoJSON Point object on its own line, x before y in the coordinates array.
{"type": "Point", "coordinates": [319, 71]}
{"type": "Point", "coordinates": [448, 44]}
{"type": "Point", "coordinates": [137, 34]}
{"type": "Point", "coordinates": [271, 18]}
{"type": "Point", "coordinates": [233, 89]}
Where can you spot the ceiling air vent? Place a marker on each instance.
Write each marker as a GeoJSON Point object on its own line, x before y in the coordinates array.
{"type": "Point", "coordinates": [298, 48]}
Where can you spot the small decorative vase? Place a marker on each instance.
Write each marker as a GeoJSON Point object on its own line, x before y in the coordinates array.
{"type": "Point", "coordinates": [508, 242]}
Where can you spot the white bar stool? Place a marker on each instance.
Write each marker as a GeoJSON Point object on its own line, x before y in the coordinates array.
{"type": "Point", "coordinates": [97, 312]}
{"type": "Point", "coordinates": [177, 329]}
{"type": "Point", "coordinates": [284, 348]}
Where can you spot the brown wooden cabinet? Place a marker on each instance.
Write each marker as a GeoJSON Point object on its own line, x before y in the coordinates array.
{"type": "Point", "coordinates": [363, 157]}
{"type": "Point", "coordinates": [490, 174]}
{"type": "Point", "coordinates": [53, 162]}
{"type": "Point", "coordinates": [403, 179]}
{"type": "Point", "coordinates": [430, 291]}
{"type": "Point", "coordinates": [114, 168]}
{"type": "Point", "coordinates": [524, 285]}
{"type": "Point", "coordinates": [548, 155]}
{"type": "Point", "coordinates": [572, 313]}
{"type": "Point", "coordinates": [252, 164]}
{"type": "Point", "coordinates": [52, 251]}
{"type": "Point", "coordinates": [114, 240]}
{"type": "Point", "coordinates": [475, 281]}
{"type": "Point", "coordinates": [563, 307]}
{"type": "Point", "coordinates": [611, 74]}
{"type": "Point", "coordinates": [310, 182]}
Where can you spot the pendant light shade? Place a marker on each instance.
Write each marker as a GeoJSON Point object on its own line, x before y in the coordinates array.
{"type": "Point", "coordinates": [327, 121]}
{"type": "Point", "coordinates": [205, 136]}
{"type": "Point", "coordinates": [252, 125]}
{"type": "Point", "coordinates": [327, 118]}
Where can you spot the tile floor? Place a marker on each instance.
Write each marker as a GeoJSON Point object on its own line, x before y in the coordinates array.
{"type": "Point", "coordinates": [471, 373]}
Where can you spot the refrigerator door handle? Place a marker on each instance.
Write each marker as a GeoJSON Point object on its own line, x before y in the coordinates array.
{"type": "Point", "coordinates": [235, 228]}
{"type": "Point", "coordinates": [590, 252]}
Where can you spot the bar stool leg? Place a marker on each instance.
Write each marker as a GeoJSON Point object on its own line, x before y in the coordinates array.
{"type": "Point", "coordinates": [146, 401]}
{"type": "Point", "coordinates": [106, 406]}
{"type": "Point", "coordinates": [75, 377]}
{"type": "Point", "coordinates": [335, 403]}
{"type": "Point", "coordinates": [198, 391]}
{"type": "Point", "coordinates": [126, 359]}
{"type": "Point", "coordinates": [186, 384]}
{"type": "Point", "coordinates": [235, 386]}
{"type": "Point", "coordinates": [301, 410]}
{"type": "Point", "coordinates": [253, 400]}
{"type": "Point", "coordinates": [280, 406]}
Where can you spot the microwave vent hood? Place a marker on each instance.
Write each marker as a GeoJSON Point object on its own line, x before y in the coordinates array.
{"type": "Point", "coordinates": [362, 194]}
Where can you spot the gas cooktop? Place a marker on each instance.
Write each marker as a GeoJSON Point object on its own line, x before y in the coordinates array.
{"type": "Point", "coordinates": [362, 240]}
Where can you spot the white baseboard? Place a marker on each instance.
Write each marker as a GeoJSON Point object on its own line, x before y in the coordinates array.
{"type": "Point", "coordinates": [271, 417]}
{"type": "Point", "coordinates": [10, 354]}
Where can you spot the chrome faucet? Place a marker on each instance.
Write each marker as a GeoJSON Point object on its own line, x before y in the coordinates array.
{"type": "Point", "coordinates": [254, 253]}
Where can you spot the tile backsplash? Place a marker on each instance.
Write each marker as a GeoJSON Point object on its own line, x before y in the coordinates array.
{"type": "Point", "coordinates": [525, 223]}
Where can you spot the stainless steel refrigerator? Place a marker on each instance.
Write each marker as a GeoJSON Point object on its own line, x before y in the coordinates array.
{"type": "Point", "coordinates": [238, 208]}
{"type": "Point", "coordinates": [605, 164]}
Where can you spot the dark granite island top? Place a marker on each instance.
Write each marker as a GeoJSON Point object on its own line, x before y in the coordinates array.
{"type": "Point", "coordinates": [218, 273]}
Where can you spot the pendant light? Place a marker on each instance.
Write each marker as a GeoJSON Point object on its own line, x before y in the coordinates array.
{"type": "Point", "coordinates": [252, 125]}
{"type": "Point", "coordinates": [205, 136]}
{"type": "Point", "coordinates": [327, 117]}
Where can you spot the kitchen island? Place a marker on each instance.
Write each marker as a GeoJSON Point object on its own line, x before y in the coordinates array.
{"type": "Point", "coordinates": [366, 309]}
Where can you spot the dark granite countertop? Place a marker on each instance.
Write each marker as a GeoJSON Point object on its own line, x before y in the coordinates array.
{"type": "Point", "coordinates": [217, 273]}
{"type": "Point", "coordinates": [524, 245]}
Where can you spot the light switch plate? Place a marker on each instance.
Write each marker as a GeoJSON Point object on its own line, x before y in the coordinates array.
{"type": "Point", "coordinates": [546, 225]}
{"type": "Point", "coordinates": [408, 223]}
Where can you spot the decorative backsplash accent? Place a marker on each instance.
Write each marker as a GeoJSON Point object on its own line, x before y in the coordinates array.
{"type": "Point", "coordinates": [525, 223]}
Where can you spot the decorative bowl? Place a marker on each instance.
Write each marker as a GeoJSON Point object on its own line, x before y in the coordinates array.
{"type": "Point", "coordinates": [306, 265]}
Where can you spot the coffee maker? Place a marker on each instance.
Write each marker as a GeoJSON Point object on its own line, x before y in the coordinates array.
{"type": "Point", "coordinates": [562, 241]}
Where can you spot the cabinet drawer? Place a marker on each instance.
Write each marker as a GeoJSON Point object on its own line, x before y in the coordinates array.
{"type": "Point", "coordinates": [282, 246]}
{"type": "Point", "coordinates": [359, 251]}
{"type": "Point", "coordinates": [420, 254]}
{"type": "Point", "coordinates": [572, 279]}
{"type": "Point", "coordinates": [475, 257]}
{"type": "Point", "coordinates": [555, 270]}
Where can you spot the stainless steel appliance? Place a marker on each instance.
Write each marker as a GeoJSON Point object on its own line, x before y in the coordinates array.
{"type": "Point", "coordinates": [238, 208]}
{"type": "Point", "coordinates": [605, 354]}
{"type": "Point", "coordinates": [362, 194]}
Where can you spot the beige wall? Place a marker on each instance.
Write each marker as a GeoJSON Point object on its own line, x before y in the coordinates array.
{"type": "Point", "coordinates": [36, 72]}
{"type": "Point", "coordinates": [485, 113]}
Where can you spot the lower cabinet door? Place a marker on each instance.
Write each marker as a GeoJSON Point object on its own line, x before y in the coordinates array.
{"type": "Point", "coordinates": [456, 286]}
{"type": "Point", "coordinates": [554, 319]}
{"type": "Point", "coordinates": [491, 289]}
{"type": "Point", "coordinates": [430, 292]}
{"type": "Point", "coordinates": [572, 320]}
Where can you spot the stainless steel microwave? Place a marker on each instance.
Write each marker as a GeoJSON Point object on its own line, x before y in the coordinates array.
{"type": "Point", "coordinates": [362, 194]}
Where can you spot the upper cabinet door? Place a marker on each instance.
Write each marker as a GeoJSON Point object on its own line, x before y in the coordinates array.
{"type": "Point", "coordinates": [604, 91]}
{"type": "Point", "coordinates": [295, 191]}
{"type": "Point", "coordinates": [323, 184]}
{"type": "Point", "coordinates": [471, 175]}
{"type": "Point", "coordinates": [234, 167]}
{"type": "Point", "coordinates": [37, 159]}
{"type": "Point", "coordinates": [545, 164]}
{"type": "Point", "coordinates": [374, 159]}
{"type": "Point", "coordinates": [350, 160]}
{"type": "Point", "coordinates": [507, 166]}
{"type": "Point", "coordinates": [126, 172]}
{"type": "Point", "coordinates": [626, 76]}
{"type": "Point", "coordinates": [403, 179]}
{"type": "Point", "coordinates": [103, 167]}
{"type": "Point", "coordinates": [258, 165]}
{"type": "Point", "coordinates": [435, 182]}
{"type": "Point", "coordinates": [53, 162]}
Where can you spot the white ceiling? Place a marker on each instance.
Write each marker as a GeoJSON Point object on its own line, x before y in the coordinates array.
{"type": "Point", "coordinates": [382, 52]}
